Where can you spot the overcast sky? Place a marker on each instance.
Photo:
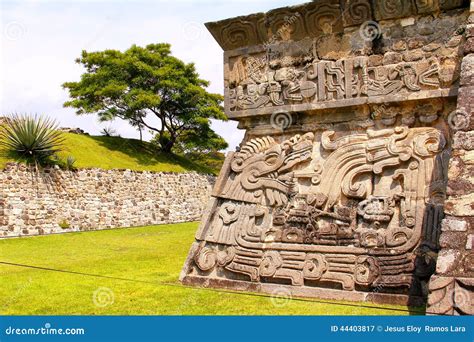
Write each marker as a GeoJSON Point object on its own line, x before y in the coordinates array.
{"type": "Point", "coordinates": [41, 39]}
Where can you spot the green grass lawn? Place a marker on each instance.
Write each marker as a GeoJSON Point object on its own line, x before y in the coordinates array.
{"type": "Point", "coordinates": [118, 153]}
{"type": "Point", "coordinates": [149, 256]}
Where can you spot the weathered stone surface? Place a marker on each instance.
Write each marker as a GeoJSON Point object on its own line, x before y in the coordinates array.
{"type": "Point", "coordinates": [467, 70]}
{"type": "Point", "coordinates": [451, 296]}
{"type": "Point", "coordinates": [407, 21]}
{"type": "Point", "coordinates": [412, 56]}
{"type": "Point", "coordinates": [424, 6]}
{"type": "Point", "coordinates": [315, 19]}
{"type": "Point", "coordinates": [357, 12]}
{"type": "Point", "coordinates": [431, 47]}
{"type": "Point", "coordinates": [462, 120]}
{"type": "Point", "coordinates": [416, 43]}
{"type": "Point", "coordinates": [56, 201]}
{"type": "Point", "coordinates": [464, 140]}
{"type": "Point", "coordinates": [467, 157]}
{"type": "Point", "coordinates": [460, 205]}
{"type": "Point", "coordinates": [452, 240]}
{"type": "Point", "coordinates": [400, 45]}
{"type": "Point", "coordinates": [451, 289]}
{"type": "Point", "coordinates": [453, 224]}
{"type": "Point", "coordinates": [464, 183]}
{"type": "Point", "coordinates": [375, 60]}
{"type": "Point", "coordinates": [469, 45]}
{"type": "Point", "coordinates": [256, 78]}
{"type": "Point", "coordinates": [451, 4]}
{"type": "Point", "coordinates": [392, 58]}
{"type": "Point", "coordinates": [391, 9]}
{"type": "Point", "coordinates": [341, 179]}
{"type": "Point", "coordinates": [470, 242]}
{"type": "Point", "coordinates": [447, 260]}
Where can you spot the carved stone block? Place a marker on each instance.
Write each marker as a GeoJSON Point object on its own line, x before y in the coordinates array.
{"type": "Point", "coordinates": [391, 9]}
{"type": "Point", "coordinates": [451, 4]}
{"type": "Point", "coordinates": [323, 17]}
{"type": "Point", "coordinates": [232, 34]}
{"type": "Point", "coordinates": [451, 296]}
{"type": "Point", "coordinates": [426, 6]}
{"type": "Point", "coordinates": [357, 12]}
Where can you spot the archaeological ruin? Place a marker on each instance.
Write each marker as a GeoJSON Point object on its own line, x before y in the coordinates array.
{"type": "Point", "coordinates": [354, 179]}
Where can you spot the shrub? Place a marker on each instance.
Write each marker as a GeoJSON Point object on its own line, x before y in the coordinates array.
{"type": "Point", "coordinates": [64, 224]}
{"type": "Point", "coordinates": [33, 138]}
{"type": "Point", "coordinates": [63, 163]}
{"type": "Point", "coordinates": [108, 132]}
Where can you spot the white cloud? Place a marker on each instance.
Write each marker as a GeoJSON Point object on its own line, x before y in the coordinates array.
{"type": "Point", "coordinates": [41, 39]}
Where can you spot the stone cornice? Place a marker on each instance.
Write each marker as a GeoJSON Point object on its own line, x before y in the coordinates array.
{"type": "Point", "coordinates": [317, 18]}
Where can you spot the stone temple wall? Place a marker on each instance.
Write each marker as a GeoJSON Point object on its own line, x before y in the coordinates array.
{"type": "Point", "coordinates": [452, 286]}
{"type": "Point", "coordinates": [57, 201]}
{"type": "Point", "coordinates": [357, 116]}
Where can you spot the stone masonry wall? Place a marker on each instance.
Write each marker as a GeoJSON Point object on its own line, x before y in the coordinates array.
{"type": "Point", "coordinates": [56, 201]}
{"type": "Point", "coordinates": [451, 288]}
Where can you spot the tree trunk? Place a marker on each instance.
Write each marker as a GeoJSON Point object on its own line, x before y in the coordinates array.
{"type": "Point", "coordinates": [166, 148]}
{"type": "Point", "coordinates": [169, 145]}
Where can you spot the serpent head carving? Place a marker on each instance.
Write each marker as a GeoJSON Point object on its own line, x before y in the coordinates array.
{"type": "Point", "coordinates": [261, 170]}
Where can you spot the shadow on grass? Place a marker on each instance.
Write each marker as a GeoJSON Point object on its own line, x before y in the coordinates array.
{"type": "Point", "coordinates": [146, 155]}
{"type": "Point", "coordinates": [7, 156]}
{"type": "Point", "coordinates": [417, 310]}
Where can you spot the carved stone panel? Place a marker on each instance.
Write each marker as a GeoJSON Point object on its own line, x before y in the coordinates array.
{"type": "Point", "coordinates": [291, 77]}
{"type": "Point", "coordinates": [345, 209]}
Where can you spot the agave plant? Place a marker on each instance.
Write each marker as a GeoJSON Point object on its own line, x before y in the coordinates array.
{"type": "Point", "coordinates": [70, 161]}
{"type": "Point", "coordinates": [108, 132]}
{"type": "Point", "coordinates": [33, 138]}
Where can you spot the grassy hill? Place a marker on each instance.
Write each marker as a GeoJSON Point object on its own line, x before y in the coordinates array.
{"type": "Point", "coordinates": [119, 153]}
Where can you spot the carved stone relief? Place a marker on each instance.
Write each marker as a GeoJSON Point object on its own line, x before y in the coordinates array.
{"type": "Point", "coordinates": [271, 79]}
{"type": "Point", "coordinates": [451, 296]}
{"type": "Point", "coordinates": [340, 208]}
{"type": "Point", "coordinates": [346, 200]}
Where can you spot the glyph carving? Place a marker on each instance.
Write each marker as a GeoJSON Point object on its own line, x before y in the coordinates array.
{"type": "Point", "coordinates": [337, 208]}
{"type": "Point", "coordinates": [271, 80]}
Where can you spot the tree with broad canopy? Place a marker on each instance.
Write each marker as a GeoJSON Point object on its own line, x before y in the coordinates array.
{"type": "Point", "coordinates": [141, 83]}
